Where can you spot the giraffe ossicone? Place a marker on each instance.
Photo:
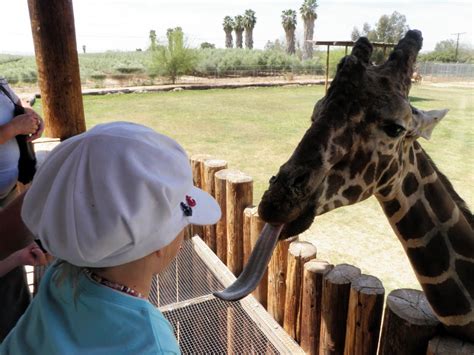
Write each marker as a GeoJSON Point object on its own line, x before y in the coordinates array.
{"type": "Point", "coordinates": [362, 142]}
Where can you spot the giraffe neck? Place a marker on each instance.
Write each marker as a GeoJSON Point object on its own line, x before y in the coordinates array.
{"type": "Point", "coordinates": [437, 238]}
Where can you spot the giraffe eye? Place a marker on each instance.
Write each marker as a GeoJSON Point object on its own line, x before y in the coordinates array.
{"type": "Point", "coordinates": [393, 130]}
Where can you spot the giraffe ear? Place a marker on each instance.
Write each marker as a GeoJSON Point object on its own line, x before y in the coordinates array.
{"type": "Point", "coordinates": [425, 121]}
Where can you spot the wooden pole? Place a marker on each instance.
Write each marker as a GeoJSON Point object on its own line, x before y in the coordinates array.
{"type": "Point", "coordinates": [239, 195]}
{"type": "Point", "coordinates": [197, 167]}
{"type": "Point", "coordinates": [314, 272]}
{"type": "Point", "coordinates": [442, 345]}
{"type": "Point", "coordinates": [334, 305]}
{"type": "Point", "coordinates": [298, 254]}
{"type": "Point", "coordinates": [54, 37]}
{"type": "Point", "coordinates": [277, 280]}
{"type": "Point", "coordinates": [221, 226]}
{"type": "Point", "coordinates": [327, 70]}
{"type": "Point", "coordinates": [256, 226]}
{"type": "Point", "coordinates": [409, 323]}
{"type": "Point", "coordinates": [210, 167]}
{"type": "Point", "coordinates": [364, 316]}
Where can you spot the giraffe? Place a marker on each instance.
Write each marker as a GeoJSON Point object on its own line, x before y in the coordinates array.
{"type": "Point", "coordinates": [362, 142]}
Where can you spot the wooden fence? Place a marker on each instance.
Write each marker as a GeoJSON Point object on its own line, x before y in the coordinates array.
{"type": "Point", "coordinates": [327, 309]}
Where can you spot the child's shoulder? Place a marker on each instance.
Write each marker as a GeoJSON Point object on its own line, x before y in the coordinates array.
{"type": "Point", "coordinates": [163, 332]}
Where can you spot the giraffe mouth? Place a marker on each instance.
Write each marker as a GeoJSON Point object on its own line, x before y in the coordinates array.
{"type": "Point", "coordinates": [255, 269]}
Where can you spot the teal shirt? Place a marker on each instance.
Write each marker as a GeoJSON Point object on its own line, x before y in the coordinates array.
{"type": "Point", "coordinates": [90, 319]}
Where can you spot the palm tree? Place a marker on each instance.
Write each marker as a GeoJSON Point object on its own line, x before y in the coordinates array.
{"type": "Point", "coordinates": [249, 23]}
{"type": "Point", "coordinates": [228, 25]}
{"type": "Point", "coordinates": [288, 20]}
{"type": "Point", "coordinates": [239, 29]}
{"type": "Point", "coordinates": [308, 13]}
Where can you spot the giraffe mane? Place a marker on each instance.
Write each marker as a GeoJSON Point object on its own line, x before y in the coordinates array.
{"type": "Point", "coordinates": [449, 187]}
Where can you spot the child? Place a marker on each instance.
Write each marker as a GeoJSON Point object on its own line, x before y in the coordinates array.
{"type": "Point", "coordinates": [111, 204]}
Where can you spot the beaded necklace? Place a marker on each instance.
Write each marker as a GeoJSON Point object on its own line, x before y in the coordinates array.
{"type": "Point", "coordinates": [113, 285]}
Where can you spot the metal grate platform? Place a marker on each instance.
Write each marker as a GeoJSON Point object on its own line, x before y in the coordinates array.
{"type": "Point", "coordinates": [204, 324]}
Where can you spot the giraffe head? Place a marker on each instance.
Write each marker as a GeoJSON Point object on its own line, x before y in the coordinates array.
{"type": "Point", "coordinates": [359, 140]}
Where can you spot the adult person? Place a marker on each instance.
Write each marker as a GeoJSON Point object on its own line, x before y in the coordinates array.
{"type": "Point", "coordinates": [111, 204]}
{"type": "Point", "coordinates": [14, 293]}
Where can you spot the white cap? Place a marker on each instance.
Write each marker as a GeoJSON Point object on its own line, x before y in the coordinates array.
{"type": "Point", "coordinates": [114, 194]}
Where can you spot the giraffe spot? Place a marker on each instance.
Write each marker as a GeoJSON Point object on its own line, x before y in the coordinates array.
{"type": "Point", "coordinates": [335, 182]}
{"type": "Point", "coordinates": [441, 206]}
{"type": "Point", "coordinates": [431, 260]}
{"type": "Point", "coordinates": [410, 184]}
{"type": "Point", "coordinates": [416, 222]}
{"type": "Point", "coordinates": [352, 193]}
{"type": "Point", "coordinates": [385, 191]}
{"type": "Point", "coordinates": [382, 164]}
{"type": "Point", "coordinates": [369, 173]}
{"type": "Point", "coordinates": [465, 270]}
{"type": "Point", "coordinates": [411, 156]}
{"type": "Point", "coordinates": [447, 298]}
{"type": "Point", "coordinates": [390, 146]}
{"type": "Point", "coordinates": [391, 207]}
{"type": "Point", "coordinates": [424, 166]}
{"type": "Point", "coordinates": [359, 162]}
{"type": "Point", "coordinates": [462, 244]}
{"type": "Point", "coordinates": [392, 170]}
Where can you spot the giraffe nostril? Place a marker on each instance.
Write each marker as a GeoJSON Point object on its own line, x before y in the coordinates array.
{"type": "Point", "coordinates": [272, 179]}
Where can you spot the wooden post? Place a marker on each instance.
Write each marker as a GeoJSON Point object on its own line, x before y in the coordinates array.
{"type": "Point", "coordinates": [197, 166]}
{"type": "Point", "coordinates": [54, 37]}
{"type": "Point", "coordinates": [442, 345]}
{"type": "Point", "coordinates": [314, 272]}
{"type": "Point", "coordinates": [277, 280]}
{"type": "Point", "coordinates": [327, 71]}
{"type": "Point", "coordinates": [210, 167]}
{"type": "Point", "coordinates": [239, 195]}
{"type": "Point", "coordinates": [247, 243]}
{"type": "Point", "coordinates": [334, 305]}
{"type": "Point", "coordinates": [364, 316]}
{"type": "Point", "coordinates": [221, 226]}
{"type": "Point", "coordinates": [298, 254]}
{"type": "Point", "coordinates": [409, 323]}
{"type": "Point", "coordinates": [256, 226]}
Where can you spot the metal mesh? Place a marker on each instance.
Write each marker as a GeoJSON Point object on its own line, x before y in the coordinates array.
{"type": "Point", "coordinates": [202, 323]}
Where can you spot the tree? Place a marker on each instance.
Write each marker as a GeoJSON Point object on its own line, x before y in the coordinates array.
{"type": "Point", "coordinates": [176, 58]}
{"type": "Point", "coordinates": [274, 46]}
{"type": "Point", "coordinates": [445, 51]}
{"type": "Point", "coordinates": [288, 20]}
{"type": "Point", "coordinates": [389, 29]}
{"type": "Point", "coordinates": [228, 26]}
{"type": "Point", "coordinates": [249, 24]}
{"type": "Point", "coordinates": [239, 29]}
{"type": "Point", "coordinates": [207, 45]}
{"type": "Point", "coordinates": [153, 43]}
{"type": "Point", "coordinates": [308, 14]}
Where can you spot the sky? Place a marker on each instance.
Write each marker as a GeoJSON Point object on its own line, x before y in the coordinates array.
{"type": "Point", "coordinates": [103, 25]}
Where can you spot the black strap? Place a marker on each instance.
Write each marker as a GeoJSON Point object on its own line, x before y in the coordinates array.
{"type": "Point", "coordinates": [27, 161]}
{"type": "Point", "coordinates": [18, 108]}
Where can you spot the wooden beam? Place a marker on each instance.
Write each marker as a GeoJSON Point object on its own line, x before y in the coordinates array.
{"type": "Point", "coordinates": [52, 24]}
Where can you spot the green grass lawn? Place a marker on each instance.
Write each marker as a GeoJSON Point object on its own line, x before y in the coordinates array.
{"type": "Point", "coordinates": [256, 130]}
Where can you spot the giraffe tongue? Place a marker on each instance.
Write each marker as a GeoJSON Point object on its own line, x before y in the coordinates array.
{"type": "Point", "coordinates": [253, 272]}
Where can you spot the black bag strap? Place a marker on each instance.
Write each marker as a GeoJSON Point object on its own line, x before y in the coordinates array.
{"type": "Point", "coordinates": [18, 108]}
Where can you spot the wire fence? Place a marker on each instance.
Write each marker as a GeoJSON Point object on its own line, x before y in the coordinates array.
{"type": "Point", "coordinates": [446, 71]}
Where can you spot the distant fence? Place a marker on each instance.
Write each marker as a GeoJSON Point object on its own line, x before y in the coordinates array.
{"type": "Point", "coordinates": [446, 71]}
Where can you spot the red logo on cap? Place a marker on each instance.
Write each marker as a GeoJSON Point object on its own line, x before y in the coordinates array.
{"type": "Point", "coordinates": [190, 201]}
